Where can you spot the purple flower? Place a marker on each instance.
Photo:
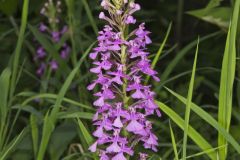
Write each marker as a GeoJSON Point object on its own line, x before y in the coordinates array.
{"type": "Point", "coordinates": [65, 51]}
{"type": "Point", "coordinates": [143, 156]}
{"type": "Point", "coordinates": [54, 65]}
{"type": "Point", "coordinates": [56, 36]}
{"type": "Point", "coordinates": [119, 156]}
{"type": "Point", "coordinates": [42, 27]}
{"type": "Point", "coordinates": [40, 53]}
{"type": "Point", "coordinates": [130, 20]}
{"type": "Point", "coordinates": [51, 29]}
{"type": "Point", "coordinates": [41, 69]}
{"type": "Point", "coordinates": [124, 102]}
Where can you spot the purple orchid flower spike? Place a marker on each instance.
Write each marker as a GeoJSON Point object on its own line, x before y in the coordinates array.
{"type": "Point", "coordinates": [52, 28]}
{"type": "Point", "coordinates": [124, 102]}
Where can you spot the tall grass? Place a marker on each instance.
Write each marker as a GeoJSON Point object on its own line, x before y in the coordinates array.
{"type": "Point", "coordinates": [227, 79]}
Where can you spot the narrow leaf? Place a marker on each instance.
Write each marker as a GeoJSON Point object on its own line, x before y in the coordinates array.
{"type": "Point", "coordinates": [188, 105]}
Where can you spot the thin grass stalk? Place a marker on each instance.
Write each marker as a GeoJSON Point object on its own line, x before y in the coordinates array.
{"type": "Point", "coordinates": [188, 105]}
{"type": "Point", "coordinates": [227, 80]}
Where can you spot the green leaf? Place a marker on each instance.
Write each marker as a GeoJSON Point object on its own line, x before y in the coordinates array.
{"type": "Point", "coordinates": [213, 3]}
{"type": "Point", "coordinates": [90, 16]}
{"type": "Point", "coordinates": [210, 120]}
{"type": "Point", "coordinates": [34, 133]}
{"type": "Point", "coordinates": [227, 79]}
{"type": "Point", "coordinates": [157, 56]}
{"type": "Point", "coordinates": [192, 133]}
{"type": "Point", "coordinates": [179, 57]}
{"type": "Point", "coordinates": [173, 141]}
{"type": "Point", "coordinates": [87, 136]}
{"type": "Point", "coordinates": [188, 105]}
{"type": "Point", "coordinates": [82, 115]}
{"type": "Point", "coordinates": [17, 52]}
{"type": "Point", "coordinates": [4, 86]}
{"type": "Point", "coordinates": [53, 96]}
{"type": "Point", "coordinates": [204, 152]}
{"type": "Point", "coordinates": [218, 16]}
{"type": "Point", "coordinates": [12, 145]}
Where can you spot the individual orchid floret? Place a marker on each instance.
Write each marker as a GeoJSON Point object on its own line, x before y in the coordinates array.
{"type": "Point", "coordinates": [124, 102]}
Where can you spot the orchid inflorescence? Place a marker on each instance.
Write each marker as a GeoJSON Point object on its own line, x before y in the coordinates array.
{"type": "Point", "coordinates": [52, 28]}
{"type": "Point", "coordinates": [124, 102]}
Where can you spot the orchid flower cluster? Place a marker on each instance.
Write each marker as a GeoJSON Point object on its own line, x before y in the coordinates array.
{"type": "Point", "coordinates": [124, 102]}
{"type": "Point", "coordinates": [51, 11]}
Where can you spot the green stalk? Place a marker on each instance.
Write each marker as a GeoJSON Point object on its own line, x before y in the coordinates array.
{"type": "Point", "coordinates": [227, 80]}
{"type": "Point", "coordinates": [124, 63]}
{"type": "Point", "coordinates": [17, 53]}
{"type": "Point", "coordinates": [14, 66]}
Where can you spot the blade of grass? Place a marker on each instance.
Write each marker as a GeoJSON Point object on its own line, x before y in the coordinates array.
{"type": "Point", "coordinates": [54, 96]}
{"type": "Point", "coordinates": [34, 132]}
{"type": "Point", "coordinates": [82, 115]}
{"type": "Point", "coordinates": [188, 105]}
{"type": "Point", "coordinates": [71, 22]}
{"type": "Point", "coordinates": [210, 120]}
{"type": "Point", "coordinates": [4, 85]}
{"type": "Point", "coordinates": [192, 133]}
{"type": "Point", "coordinates": [173, 142]}
{"type": "Point", "coordinates": [87, 136]}
{"type": "Point", "coordinates": [204, 152]}
{"type": "Point", "coordinates": [157, 56]}
{"type": "Point", "coordinates": [227, 80]}
{"type": "Point", "coordinates": [180, 55]}
{"type": "Point", "coordinates": [90, 16]}
{"type": "Point", "coordinates": [18, 49]}
{"type": "Point", "coordinates": [12, 145]}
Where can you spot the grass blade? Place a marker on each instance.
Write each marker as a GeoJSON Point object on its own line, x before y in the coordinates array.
{"type": "Point", "coordinates": [87, 136]}
{"type": "Point", "coordinates": [35, 133]}
{"type": "Point", "coordinates": [54, 96]}
{"type": "Point", "coordinates": [173, 142]}
{"type": "Point", "coordinates": [156, 58]}
{"type": "Point", "coordinates": [180, 55]}
{"type": "Point", "coordinates": [82, 115]}
{"type": "Point", "coordinates": [210, 120]}
{"type": "Point", "coordinates": [188, 105]}
{"type": "Point", "coordinates": [4, 85]}
{"type": "Point", "coordinates": [90, 16]}
{"type": "Point", "coordinates": [17, 52]}
{"type": "Point", "coordinates": [12, 145]}
{"type": "Point", "coordinates": [227, 80]}
{"type": "Point", "coordinates": [192, 133]}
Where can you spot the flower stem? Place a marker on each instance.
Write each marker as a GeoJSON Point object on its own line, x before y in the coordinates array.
{"type": "Point", "coordinates": [124, 61]}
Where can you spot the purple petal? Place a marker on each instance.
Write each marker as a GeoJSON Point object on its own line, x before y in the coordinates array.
{"type": "Point", "coordinates": [93, 147]}
{"type": "Point", "coordinates": [99, 102]}
{"type": "Point", "coordinates": [98, 132]}
{"type": "Point", "coordinates": [134, 126]}
{"type": "Point", "coordinates": [138, 94]}
{"type": "Point", "coordinates": [93, 55]}
{"type": "Point", "coordinates": [96, 69]}
{"type": "Point", "coordinates": [113, 148]}
{"type": "Point", "coordinates": [119, 156]}
{"type": "Point", "coordinates": [117, 122]}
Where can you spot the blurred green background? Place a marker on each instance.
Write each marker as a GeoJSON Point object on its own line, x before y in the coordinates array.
{"type": "Point", "coordinates": [190, 19]}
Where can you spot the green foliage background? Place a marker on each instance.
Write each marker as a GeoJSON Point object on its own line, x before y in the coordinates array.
{"type": "Point", "coordinates": [199, 92]}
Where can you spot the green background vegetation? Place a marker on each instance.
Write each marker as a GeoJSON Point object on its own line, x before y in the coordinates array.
{"type": "Point", "coordinates": [196, 51]}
